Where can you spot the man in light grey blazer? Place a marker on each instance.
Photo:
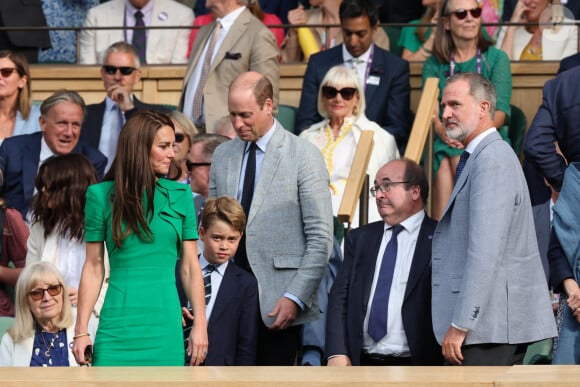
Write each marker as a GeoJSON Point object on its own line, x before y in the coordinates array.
{"type": "Point", "coordinates": [289, 228]}
{"type": "Point", "coordinates": [489, 293]}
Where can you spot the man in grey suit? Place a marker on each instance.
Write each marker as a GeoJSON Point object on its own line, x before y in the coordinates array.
{"type": "Point", "coordinates": [289, 228]}
{"type": "Point", "coordinates": [489, 293]}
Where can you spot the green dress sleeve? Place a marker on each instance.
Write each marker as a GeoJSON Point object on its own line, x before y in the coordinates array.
{"type": "Point", "coordinates": [94, 214]}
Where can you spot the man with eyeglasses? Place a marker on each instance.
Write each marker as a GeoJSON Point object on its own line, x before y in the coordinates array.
{"type": "Point", "coordinates": [490, 297]}
{"type": "Point", "coordinates": [384, 75]}
{"type": "Point", "coordinates": [120, 72]}
{"type": "Point", "coordinates": [379, 307]}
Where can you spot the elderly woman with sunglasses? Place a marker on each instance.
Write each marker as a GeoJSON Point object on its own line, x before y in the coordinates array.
{"type": "Point", "coordinates": [18, 115]}
{"type": "Point", "coordinates": [460, 47]}
{"type": "Point", "coordinates": [341, 101]}
{"type": "Point", "coordinates": [42, 333]}
{"type": "Point", "coordinates": [185, 131]}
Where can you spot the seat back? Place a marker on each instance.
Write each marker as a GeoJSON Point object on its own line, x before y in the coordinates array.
{"type": "Point", "coordinates": [287, 116]}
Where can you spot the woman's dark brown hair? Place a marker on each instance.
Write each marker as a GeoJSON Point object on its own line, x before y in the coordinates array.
{"type": "Point", "coordinates": [134, 176]}
{"type": "Point", "coordinates": [61, 185]}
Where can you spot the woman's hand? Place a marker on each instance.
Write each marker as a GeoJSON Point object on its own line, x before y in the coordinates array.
{"type": "Point", "coordinates": [79, 346]}
{"type": "Point", "coordinates": [197, 347]}
{"type": "Point", "coordinates": [518, 13]}
{"type": "Point", "coordinates": [73, 294]}
{"type": "Point", "coordinates": [297, 16]}
{"type": "Point", "coordinates": [573, 301]}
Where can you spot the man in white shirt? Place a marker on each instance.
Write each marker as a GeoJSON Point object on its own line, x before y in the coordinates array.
{"type": "Point", "coordinates": [238, 42]}
{"type": "Point", "coordinates": [379, 307]}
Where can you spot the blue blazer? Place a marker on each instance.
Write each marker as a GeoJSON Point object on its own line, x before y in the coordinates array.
{"type": "Point", "coordinates": [93, 123]}
{"type": "Point", "coordinates": [387, 103]}
{"type": "Point", "coordinates": [19, 159]}
{"type": "Point", "coordinates": [349, 297]}
{"type": "Point", "coordinates": [232, 328]}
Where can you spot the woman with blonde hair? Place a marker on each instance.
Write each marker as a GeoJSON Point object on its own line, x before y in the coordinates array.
{"type": "Point", "coordinates": [42, 333]}
{"type": "Point", "coordinates": [185, 131]}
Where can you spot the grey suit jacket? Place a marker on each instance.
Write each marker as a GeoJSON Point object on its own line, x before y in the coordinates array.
{"type": "Point", "coordinates": [248, 46]}
{"type": "Point", "coordinates": [289, 227]}
{"type": "Point", "coordinates": [487, 273]}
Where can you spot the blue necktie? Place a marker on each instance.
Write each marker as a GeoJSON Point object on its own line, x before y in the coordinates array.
{"type": "Point", "coordinates": [139, 42]}
{"type": "Point", "coordinates": [207, 281]}
{"type": "Point", "coordinates": [379, 308]}
{"type": "Point", "coordinates": [462, 160]}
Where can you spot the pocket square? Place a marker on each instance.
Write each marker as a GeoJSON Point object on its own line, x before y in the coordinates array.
{"type": "Point", "coordinates": [233, 55]}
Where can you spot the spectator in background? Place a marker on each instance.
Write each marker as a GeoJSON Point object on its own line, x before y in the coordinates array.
{"type": "Point", "coordinates": [417, 41]}
{"type": "Point", "coordinates": [12, 253]}
{"type": "Point", "coordinates": [64, 13]}
{"type": "Point", "coordinates": [120, 72]}
{"type": "Point", "coordinates": [18, 114]}
{"type": "Point", "coordinates": [18, 13]}
{"type": "Point", "coordinates": [384, 75]}
{"type": "Point", "coordinates": [341, 102]}
{"type": "Point", "coordinates": [61, 119]}
{"type": "Point", "coordinates": [237, 42]}
{"type": "Point", "coordinates": [460, 47]}
{"type": "Point", "coordinates": [155, 46]}
{"type": "Point", "coordinates": [224, 127]}
{"type": "Point", "coordinates": [323, 12]}
{"type": "Point", "coordinates": [534, 41]}
{"type": "Point", "coordinates": [58, 222]}
{"type": "Point", "coordinates": [42, 334]}
{"type": "Point", "coordinates": [254, 8]}
{"type": "Point", "coordinates": [281, 7]}
{"type": "Point", "coordinates": [185, 131]}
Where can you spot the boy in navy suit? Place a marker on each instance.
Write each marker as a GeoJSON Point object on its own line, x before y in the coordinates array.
{"type": "Point", "coordinates": [231, 292]}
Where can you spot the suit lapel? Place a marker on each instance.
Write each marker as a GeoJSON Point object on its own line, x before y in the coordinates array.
{"type": "Point", "coordinates": [228, 287]}
{"type": "Point", "coordinates": [371, 244]}
{"type": "Point", "coordinates": [420, 258]}
{"type": "Point", "coordinates": [235, 168]}
{"type": "Point", "coordinates": [236, 31]}
{"type": "Point", "coordinates": [198, 45]}
{"type": "Point", "coordinates": [30, 161]}
{"type": "Point", "coordinates": [268, 169]}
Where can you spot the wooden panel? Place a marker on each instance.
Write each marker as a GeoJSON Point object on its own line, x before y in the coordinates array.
{"type": "Point", "coordinates": [423, 120]}
{"type": "Point", "coordinates": [540, 375]}
{"type": "Point", "coordinates": [356, 176]}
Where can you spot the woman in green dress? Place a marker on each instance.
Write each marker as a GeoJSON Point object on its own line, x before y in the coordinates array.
{"type": "Point", "coordinates": [146, 223]}
{"type": "Point", "coordinates": [460, 47]}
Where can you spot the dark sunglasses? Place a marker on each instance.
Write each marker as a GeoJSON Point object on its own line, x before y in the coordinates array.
{"type": "Point", "coordinates": [461, 14]}
{"type": "Point", "coordinates": [346, 93]}
{"type": "Point", "coordinates": [7, 71]}
{"type": "Point", "coordinates": [179, 137]}
{"type": "Point", "coordinates": [190, 165]}
{"type": "Point", "coordinates": [112, 70]}
{"type": "Point", "coordinates": [53, 290]}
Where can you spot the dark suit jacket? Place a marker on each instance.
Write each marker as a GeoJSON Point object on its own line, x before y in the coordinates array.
{"type": "Point", "coordinates": [93, 123]}
{"type": "Point", "coordinates": [232, 328]}
{"type": "Point", "coordinates": [556, 120]}
{"type": "Point", "coordinates": [387, 103]}
{"type": "Point", "coordinates": [350, 294]}
{"type": "Point", "coordinates": [19, 158]}
{"type": "Point", "coordinates": [23, 13]}
{"type": "Point", "coordinates": [569, 62]}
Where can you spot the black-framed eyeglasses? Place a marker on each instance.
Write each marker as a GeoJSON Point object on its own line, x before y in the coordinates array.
{"type": "Point", "coordinates": [179, 137]}
{"type": "Point", "coordinates": [7, 71]}
{"type": "Point", "coordinates": [112, 70]}
{"type": "Point", "coordinates": [38, 294]}
{"type": "Point", "coordinates": [461, 14]}
{"type": "Point", "coordinates": [346, 93]}
{"type": "Point", "coordinates": [385, 187]}
{"type": "Point", "coordinates": [191, 165]}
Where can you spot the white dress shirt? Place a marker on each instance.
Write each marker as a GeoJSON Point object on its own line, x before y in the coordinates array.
{"type": "Point", "coordinates": [395, 342]}
{"type": "Point", "coordinates": [362, 63]}
{"type": "Point", "coordinates": [216, 280]}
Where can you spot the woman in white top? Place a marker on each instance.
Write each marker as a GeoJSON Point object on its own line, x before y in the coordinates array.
{"type": "Point", "coordinates": [57, 230]}
{"type": "Point", "coordinates": [341, 102]}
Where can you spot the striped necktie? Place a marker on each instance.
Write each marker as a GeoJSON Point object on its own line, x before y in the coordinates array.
{"type": "Point", "coordinates": [139, 42]}
{"type": "Point", "coordinates": [207, 281]}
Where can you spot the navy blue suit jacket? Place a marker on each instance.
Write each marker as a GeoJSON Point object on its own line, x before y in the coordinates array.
{"type": "Point", "coordinates": [350, 294]}
{"type": "Point", "coordinates": [93, 123]}
{"type": "Point", "coordinates": [569, 62]}
{"type": "Point", "coordinates": [19, 159]}
{"type": "Point", "coordinates": [232, 328]}
{"type": "Point", "coordinates": [556, 120]}
{"type": "Point", "coordinates": [387, 103]}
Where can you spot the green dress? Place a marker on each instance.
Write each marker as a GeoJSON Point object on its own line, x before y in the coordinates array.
{"type": "Point", "coordinates": [495, 66]}
{"type": "Point", "coordinates": [140, 322]}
